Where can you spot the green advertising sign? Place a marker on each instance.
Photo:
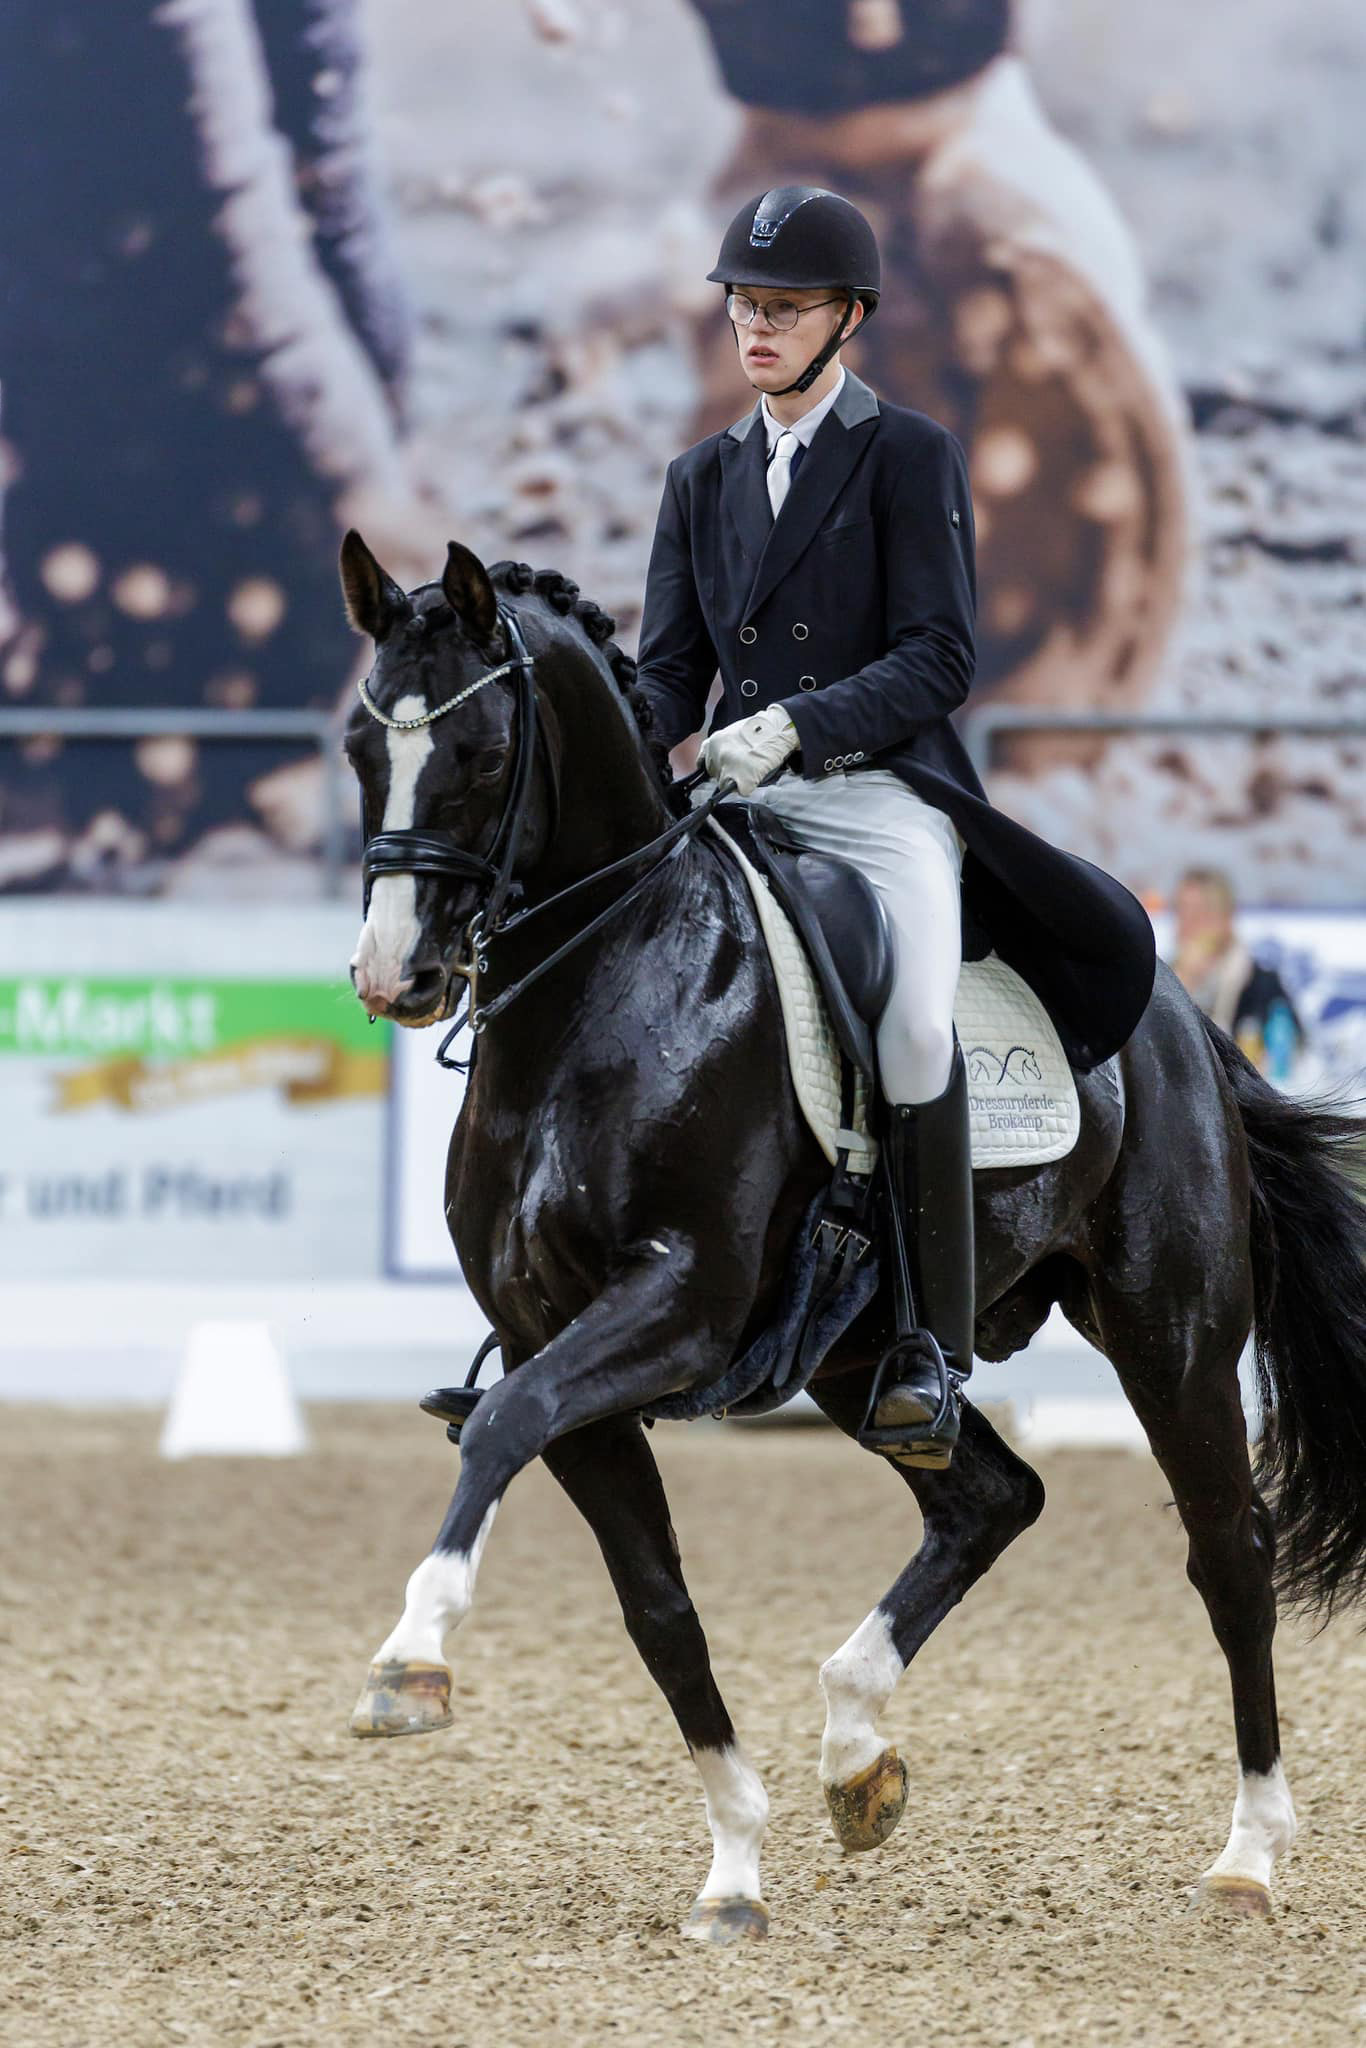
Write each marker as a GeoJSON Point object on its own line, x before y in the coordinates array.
{"type": "Point", "coordinates": [76, 1016]}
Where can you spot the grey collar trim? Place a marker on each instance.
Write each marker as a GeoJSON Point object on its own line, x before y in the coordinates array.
{"type": "Point", "coordinates": [857, 401]}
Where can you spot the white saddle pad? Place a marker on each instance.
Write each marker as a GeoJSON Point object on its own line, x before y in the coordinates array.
{"type": "Point", "coordinates": [1023, 1094]}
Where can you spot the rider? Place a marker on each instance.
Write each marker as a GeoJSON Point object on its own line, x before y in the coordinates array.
{"type": "Point", "coordinates": [819, 553]}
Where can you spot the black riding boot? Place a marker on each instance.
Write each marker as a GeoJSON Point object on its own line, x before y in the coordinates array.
{"type": "Point", "coordinates": [914, 1410]}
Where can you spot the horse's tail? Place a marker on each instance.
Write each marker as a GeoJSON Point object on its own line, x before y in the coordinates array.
{"type": "Point", "coordinates": [1308, 1167]}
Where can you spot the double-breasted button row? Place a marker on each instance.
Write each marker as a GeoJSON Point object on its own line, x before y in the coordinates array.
{"type": "Point", "coordinates": [843, 760]}
{"type": "Point", "coordinates": [749, 634]}
{"type": "Point", "coordinates": [749, 688]}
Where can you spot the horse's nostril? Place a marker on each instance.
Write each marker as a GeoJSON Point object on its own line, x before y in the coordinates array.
{"type": "Point", "coordinates": [424, 990]}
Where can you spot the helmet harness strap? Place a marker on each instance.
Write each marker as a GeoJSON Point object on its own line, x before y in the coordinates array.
{"type": "Point", "coordinates": [836, 342]}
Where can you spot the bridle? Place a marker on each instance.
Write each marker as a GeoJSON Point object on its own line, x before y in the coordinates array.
{"type": "Point", "coordinates": [410, 852]}
{"type": "Point", "coordinates": [407, 851]}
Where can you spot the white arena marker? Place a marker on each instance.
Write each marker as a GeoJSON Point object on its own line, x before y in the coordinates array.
{"type": "Point", "coordinates": [232, 1397]}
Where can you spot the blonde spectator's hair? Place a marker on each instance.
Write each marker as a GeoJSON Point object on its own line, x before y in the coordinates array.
{"type": "Point", "coordinates": [1214, 880]}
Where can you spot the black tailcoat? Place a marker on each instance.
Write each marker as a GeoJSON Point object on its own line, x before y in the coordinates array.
{"type": "Point", "coordinates": [854, 611]}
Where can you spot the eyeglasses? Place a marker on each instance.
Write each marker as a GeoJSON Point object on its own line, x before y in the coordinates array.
{"type": "Point", "coordinates": [779, 313]}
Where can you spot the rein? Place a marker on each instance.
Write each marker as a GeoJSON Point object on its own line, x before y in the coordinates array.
{"type": "Point", "coordinates": [669, 843]}
{"type": "Point", "coordinates": [412, 852]}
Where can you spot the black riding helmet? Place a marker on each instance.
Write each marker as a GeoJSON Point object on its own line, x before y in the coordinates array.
{"type": "Point", "coordinates": [803, 236]}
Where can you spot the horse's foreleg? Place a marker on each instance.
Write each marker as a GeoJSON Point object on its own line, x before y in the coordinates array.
{"type": "Point", "coordinates": [971, 1511]}
{"type": "Point", "coordinates": [636, 1341]}
{"type": "Point", "coordinates": [609, 1473]}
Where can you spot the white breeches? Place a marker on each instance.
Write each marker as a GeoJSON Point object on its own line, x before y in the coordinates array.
{"type": "Point", "coordinates": [912, 854]}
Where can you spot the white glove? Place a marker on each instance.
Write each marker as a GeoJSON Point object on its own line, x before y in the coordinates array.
{"type": "Point", "coordinates": [746, 752]}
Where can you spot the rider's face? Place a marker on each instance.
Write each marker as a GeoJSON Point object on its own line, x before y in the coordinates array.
{"type": "Point", "coordinates": [773, 358]}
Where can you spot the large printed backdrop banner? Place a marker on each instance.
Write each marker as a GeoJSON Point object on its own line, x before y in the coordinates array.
{"type": "Point", "coordinates": [271, 267]}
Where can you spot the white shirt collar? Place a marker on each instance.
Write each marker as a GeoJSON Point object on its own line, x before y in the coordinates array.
{"type": "Point", "coordinates": [806, 426]}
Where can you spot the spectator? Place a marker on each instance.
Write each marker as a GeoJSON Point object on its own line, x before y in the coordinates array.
{"type": "Point", "coordinates": [1243, 997]}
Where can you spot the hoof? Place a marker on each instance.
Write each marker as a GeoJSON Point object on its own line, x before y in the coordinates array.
{"type": "Point", "coordinates": [864, 1812]}
{"type": "Point", "coordinates": [723, 1922]}
{"type": "Point", "coordinates": [403, 1699]}
{"type": "Point", "coordinates": [1238, 1898]}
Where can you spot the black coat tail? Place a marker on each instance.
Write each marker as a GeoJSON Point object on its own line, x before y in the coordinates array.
{"type": "Point", "coordinates": [1308, 1165]}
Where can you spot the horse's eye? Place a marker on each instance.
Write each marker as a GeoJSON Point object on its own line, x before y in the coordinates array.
{"type": "Point", "coordinates": [488, 767]}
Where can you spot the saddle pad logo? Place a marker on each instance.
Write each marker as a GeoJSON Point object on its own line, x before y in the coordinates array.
{"type": "Point", "coordinates": [987, 1068]}
{"type": "Point", "coordinates": [1014, 1093]}
{"type": "Point", "coordinates": [1021, 1091]}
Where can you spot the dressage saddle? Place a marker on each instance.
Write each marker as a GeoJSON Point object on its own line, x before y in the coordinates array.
{"type": "Point", "coordinates": [839, 918]}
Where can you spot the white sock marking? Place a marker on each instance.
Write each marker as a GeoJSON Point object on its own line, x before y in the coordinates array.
{"type": "Point", "coordinates": [391, 929]}
{"type": "Point", "coordinates": [737, 1814]}
{"type": "Point", "coordinates": [857, 1682]}
{"type": "Point", "coordinates": [438, 1598]}
{"type": "Point", "coordinates": [1263, 1827]}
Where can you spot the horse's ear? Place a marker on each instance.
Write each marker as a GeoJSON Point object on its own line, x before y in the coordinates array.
{"type": "Point", "coordinates": [469, 593]}
{"type": "Point", "coordinates": [373, 599]}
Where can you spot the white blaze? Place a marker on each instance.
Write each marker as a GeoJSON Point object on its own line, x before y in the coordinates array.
{"type": "Point", "coordinates": [391, 928]}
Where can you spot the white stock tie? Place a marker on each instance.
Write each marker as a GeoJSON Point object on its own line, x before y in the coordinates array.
{"type": "Point", "coordinates": [780, 469]}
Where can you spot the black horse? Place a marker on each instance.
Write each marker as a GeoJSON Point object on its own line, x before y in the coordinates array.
{"type": "Point", "coordinates": [630, 1163]}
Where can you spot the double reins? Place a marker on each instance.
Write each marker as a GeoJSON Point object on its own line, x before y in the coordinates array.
{"type": "Point", "coordinates": [412, 852]}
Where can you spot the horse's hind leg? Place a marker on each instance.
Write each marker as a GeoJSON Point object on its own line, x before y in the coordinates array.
{"type": "Point", "coordinates": [1192, 1412]}
{"type": "Point", "coordinates": [610, 1474]}
{"type": "Point", "coordinates": [971, 1512]}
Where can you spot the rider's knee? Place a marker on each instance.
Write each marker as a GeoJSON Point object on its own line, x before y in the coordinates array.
{"type": "Point", "coordinates": [916, 1057]}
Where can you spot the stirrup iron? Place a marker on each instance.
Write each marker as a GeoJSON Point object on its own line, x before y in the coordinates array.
{"type": "Point", "coordinates": [455, 1405]}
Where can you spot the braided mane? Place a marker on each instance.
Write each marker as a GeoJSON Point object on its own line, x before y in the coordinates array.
{"type": "Point", "coordinates": [562, 594]}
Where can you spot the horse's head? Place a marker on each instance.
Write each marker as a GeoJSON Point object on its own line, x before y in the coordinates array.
{"type": "Point", "coordinates": [450, 775]}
